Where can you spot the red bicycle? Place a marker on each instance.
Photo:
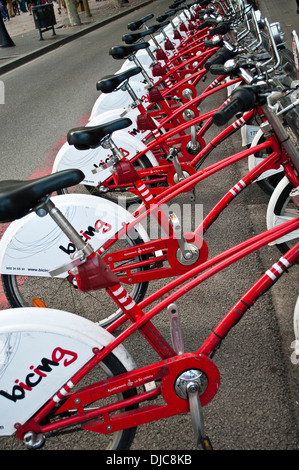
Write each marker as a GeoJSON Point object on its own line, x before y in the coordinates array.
{"type": "Point", "coordinates": [122, 396]}
{"type": "Point", "coordinates": [179, 152]}
{"type": "Point", "coordinates": [172, 253]}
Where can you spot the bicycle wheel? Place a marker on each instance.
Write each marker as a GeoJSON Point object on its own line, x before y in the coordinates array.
{"type": "Point", "coordinates": [270, 178]}
{"type": "Point", "coordinates": [282, 208]}
{"type": "Point", "coordinates": [296, 323]}
{"type": "Point", "coordinates": [88, 440]}
{"type": "Point", "coordinates": [62, 293]}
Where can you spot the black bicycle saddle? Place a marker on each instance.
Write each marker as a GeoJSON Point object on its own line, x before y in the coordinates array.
{"type": "Point", "coordinates": [131, 38]}
{"type": "Point", "coordinates": [122, 52]}
{"type": "Point", "coordinates": [137, 24]}
{"type": "Point", "coordinates": [19, 197]}
{"type": "Point", "coordinates": [90, 137]}
{"type": "Point", "coordinates": [110, 83]}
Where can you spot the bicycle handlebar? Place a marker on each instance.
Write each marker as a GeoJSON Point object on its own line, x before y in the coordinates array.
{"type": "Point", "coordinates": [216, 41]}
{"type": "Point", "coordinates": [242, 99]}
{"type": "Point", "coordinates": [218, 69]}
{"type": "Point", "coordinates": [208, 23]}
{"type": "Point", "coordinates": [220, 57]}
{"type": "Point", "coordinates": [221, 28]}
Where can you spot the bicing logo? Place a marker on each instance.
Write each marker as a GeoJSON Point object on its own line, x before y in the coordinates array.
{"type": "Point", "coordinates": [38, 373]}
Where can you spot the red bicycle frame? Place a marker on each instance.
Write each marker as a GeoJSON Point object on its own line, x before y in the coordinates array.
{"type": "Point", "coordinates": [164, 372]}
{"type": "Point", "coordinates": [164, 141]}
{"type": "Point", "coordinates": [169, 245]}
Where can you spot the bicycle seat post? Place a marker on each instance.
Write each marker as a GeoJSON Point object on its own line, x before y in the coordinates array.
{"type": "Point", "coordinates": [125, 86]}
{"type": "Point", "coordinates": [48, 207]}
{"type": "Point", "coordinates": [138, 64]}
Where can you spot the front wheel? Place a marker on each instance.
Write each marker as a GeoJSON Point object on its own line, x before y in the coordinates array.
{"type": "Point", "coordinates": [268, 180]}
{"type": "Point", "coordinates": [281, 208]}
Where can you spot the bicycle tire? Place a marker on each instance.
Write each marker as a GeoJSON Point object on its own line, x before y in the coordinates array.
{"type": "Point", "coordinates": [20, 290]}
{"type": "Point", "coordinates": [266, 184]}
{"type": "Point", "coordinates": [111, 366]}
{"type": "Point", "coordinates": [281, 204]}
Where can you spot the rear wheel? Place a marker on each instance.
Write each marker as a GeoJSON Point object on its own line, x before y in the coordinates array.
{"type": "Point", "coordinates": [62, 293]}
{"type": "Point", "coordinates": [88, 440]}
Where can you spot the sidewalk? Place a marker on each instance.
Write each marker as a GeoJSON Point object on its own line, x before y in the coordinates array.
{"type": "Point", "coordinates": [284, 12]}
{"type": "Point", "coordinates": [28, 45]}
{"type": "Point", "coordinates": [26, 37]}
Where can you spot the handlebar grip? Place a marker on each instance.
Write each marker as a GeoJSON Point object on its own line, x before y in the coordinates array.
{"type": "Point", "coordinates": [208, 43]}
{"type": "Point", "coordinates": [207, 11]}
{"type": "Point", "coordinates": [208, 23]}
{"type": "Point", "coordinates": [221, 56]}
{"type": "Point", "coordinates": [220, 69]}
{"type": "Point", "coordinates": [221, 28]}
{"type": "Point", "coordinates": [211, 43]}
{"type": "Point", "coordinates": [217, 69]}
{"type": "Point", "coordinates": [242, 99]}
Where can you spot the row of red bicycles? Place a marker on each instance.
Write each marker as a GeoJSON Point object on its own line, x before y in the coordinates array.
{"type": "Point", "coordinates": [80, 267]}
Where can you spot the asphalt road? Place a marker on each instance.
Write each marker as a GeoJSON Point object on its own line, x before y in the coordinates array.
{"type": "Point", "coordinates": [256, 406]}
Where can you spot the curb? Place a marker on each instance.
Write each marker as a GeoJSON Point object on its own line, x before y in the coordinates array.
{"type": "Point", "coordinates": [13, 64]}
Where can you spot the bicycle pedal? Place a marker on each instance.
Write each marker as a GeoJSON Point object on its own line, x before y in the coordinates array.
{"type": "Point", "coordinates": [34, 440]}
{"type": "Point", "coordinates": [150, 386]}
{"type": "Point", "coordinates": [36, 302]}
{"type": "Point", "coordinates": [204, 444]}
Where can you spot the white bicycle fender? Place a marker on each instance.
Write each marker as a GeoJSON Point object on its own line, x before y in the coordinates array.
{"type": "Point", "coordinates": [40, 351]}
{"type": "Point", "coordinates": [92, 161]}
{"type": "Point", "coordinates": [296, 326]}
{"type": "Point", "coordinates": [117, 99]}
{"type": "Point", "coordinates": [274, 220]}
{"type": "Point", "coordinates": [33, 246]}
{"type": "Point", "coordinates": [253, 161]}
